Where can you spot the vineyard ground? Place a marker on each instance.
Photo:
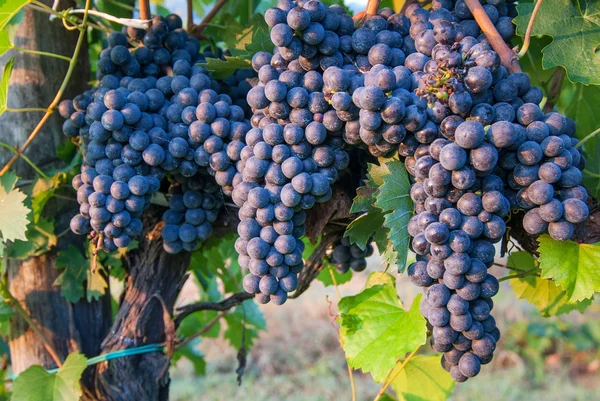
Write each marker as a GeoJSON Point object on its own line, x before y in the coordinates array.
{"type": "Point", "coordinates": [298, 358]}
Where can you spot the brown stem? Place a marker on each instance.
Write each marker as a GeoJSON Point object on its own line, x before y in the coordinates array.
{"type": "Point", "coordinates": [527, 39]}
{"type": "Point", "coordinates": [198, 30]}
{"type": "Point", "coordinates": [507, 56]}
{"type": "Point", "coordinates": [373, 7]}
{"type": "Point", "coordinates": [82, 36]}
{"type": "Point", "coordinates": [190, 16]}
{"type": "Point", "coordinates": [145, 9]}
{"type": "Point", "coordinates": [223, 305]}
{"type": "Point", "coordinates": [206, 328]}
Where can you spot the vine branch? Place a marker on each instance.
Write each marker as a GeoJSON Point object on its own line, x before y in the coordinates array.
{"type": "Point", "coordinates": [223, 305]}
{"type": "Point", "coordinates": [198, 30]}
{"type": "Point", "coordinates": [373, 7]}
{"type": "Point", "coordinates": [527, 39]}
{"type": "Point", "coordinates": [190, 15]}
{"type": "Point", "coordinates": [145, 9]}
{"type": "Point", "coordinates": [72, 64]}
{"type": "Point", "coordinates": [507, 56]}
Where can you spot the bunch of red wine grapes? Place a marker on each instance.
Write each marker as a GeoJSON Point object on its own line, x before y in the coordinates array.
{"type": "Point", "coordinates": [156, 113]}
{"type": "Point", "coordinates": [427, 85]}
{"type": "Point", "coordinates": [424, 84]}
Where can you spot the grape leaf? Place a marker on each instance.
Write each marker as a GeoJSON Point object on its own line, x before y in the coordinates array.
{"type": "Point", "coordinates": [5, 44]}
{"type": "Point", "coordinates": [13, 213]}
{"type": "Point", "coordinates": [6, 312]}
{"type": "Point", "coordinates": [221, 69]}
{"type": "Point", "coordinates": [575, 27]}
{"type": "Point", "coordinates": [549, 298]}
{"type": "Point", "coordinates": [360, 230]}
{"type": "Point", "coordinates": [325, 276]}
{"type": "Point", "coordinates": [423, 378]}
{"type": "Point", "coordinates": [4, 84]}
{"type": "Point", "coordinates": [261, 42]}
{"type": "Point", "coordinates": [394, 197]}
{"type": "Point", "coordinates": [40, 239]}
{"type": "Point", "coordinates": [365, 195]}
{"type": "Point", "coordinates": [43, 190]}
{"type": "Point", "coordinates": [9, 180]}
{"type": "Point", "coordinates": [376, 330]}
{"type": "Point", "coordinates": [396, 5]}
{"type": "Point", "coordinates": [35, 384]}
{"type": "Point", "coordinates": [573, 266]}
{"type": "Point", "coordinates": [191, 352]}
{"type": "Point", "coordinates": [77, 270]}
{"type": "Point", "coordinates": [243, 324]}
{"type": "Point", "coordinates": [10, 8]}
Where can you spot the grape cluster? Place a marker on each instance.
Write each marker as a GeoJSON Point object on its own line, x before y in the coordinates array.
{"type": "Point", "coordinates": [193, 207]}
{"type": "Point", "coordinates": [345, 256]}
{"type": "Point", "coordinates": [294, 150]}
{"type": "Point", "coordinates": [140, 125]}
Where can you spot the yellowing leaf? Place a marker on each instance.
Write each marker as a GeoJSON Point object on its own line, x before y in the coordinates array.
{"type": "Point", "coordinates": [575, 267]}
{"type": "Point", "coordinates": [376, 330]}
{"type": "Point", "coordinates": [423, 378]}
{"type": "Point", "coordinates": [13, 214]}
{"type": "Point", "coordinates": [35, 384]}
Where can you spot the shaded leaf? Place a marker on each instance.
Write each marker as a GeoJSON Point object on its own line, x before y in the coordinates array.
{"type": "Point", "coordinates": [376, 330]}
{"type": "Point", "coordinates": [221, 69]}
{"type": "Point", "coordinates": [325, 276]}
{"type": "Point", "coordinates": [5, 83]}
{"type": "Point", "coordinates": [191, 352]}
{"type": "Point", "coordinates": [43, 190]}
{"type": "Point", "coordinates": [35, 384]}
{"type": "Point", "coordinates": [40, 239]}
{"type": "Point", "coordinates": [575, 27]}
{"type": "Point", "coordinates": [394, 197]}
{"type": "Point", "coordinates": [361, 229]}
{"type": "Point", "coordinates": [573, 266]}
{"type": "Point", "coordinates": [76, 271]}
{"type": "Point", "coordinates": [423, 378]}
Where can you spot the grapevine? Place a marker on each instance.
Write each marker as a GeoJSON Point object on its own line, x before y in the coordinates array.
{"type": "Point", "coordinates": [333, 107]}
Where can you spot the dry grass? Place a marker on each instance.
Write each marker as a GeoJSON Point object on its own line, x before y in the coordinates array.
{"type": "Point", "coordinates": [299, 358]}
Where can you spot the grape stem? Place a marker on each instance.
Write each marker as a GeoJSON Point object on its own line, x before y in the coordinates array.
{"type": "Point", "coordinates": [190, 15]}
{"type": "Point", "coordinates": [72, 64]}
{"type": "Point", "coordinates": [373, 7]}
{"type": "Point", "coordinates": [26, 159]}
{"type": "Point", "coordinates": [39, 53]}
{"type": "Point", "coordinates": [224, 305]}
{"type": "Point", "coordinates": [145, 9]}
{"type": "Point", "coordinates": [526, 273]}
{"type": "Point", "coordinates": [350, 373]}
{"type": "Point", "coordinates": [204, 330]}
{"type": "Point", "coordinates": [507, 55]}
{"type": "Point", "coordinates": [527, 39]}
{"type": "Point", "coordinates": [587, 138]}
{"type": "Point", "coordinates": [198, 30]}
{"type": "Point", "coordinates": [391, 378]}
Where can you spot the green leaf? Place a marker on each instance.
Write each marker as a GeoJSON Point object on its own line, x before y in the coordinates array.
{"type": "Point", "coordinates": [243, 324]}
{"type": "Point", "coordinates": [191, 352]}
{"type": "Point", "coordinates": [573, 266]}
{"type": "Point", "coordinates": [35, 384]}
{"type": "Point", "coordinates": [261, 42]}
{"type": "Point", "coordinates": [43, 190]}
{"type": "Point", "coordinates": [575, 27]}
{"type": "Point", "coordinates": [6, 312]}
{"type": "Point", "coordinates": [40, 239]}
{"type": "Point", "coordinates": [591, 174]}
{"type": "Point", "coordinates": [5, 44]}
{"type": "Point", "coordinates": [10, 8]}
{"type": "Point", "coordinates": [5, 83]}
{"type": "Point", "coordinates": [217, 256]}
{"type": "Point", "coordinates": [325, 276]}
{"type": "Point", "coordinates": [423, 378]}
{"type": "Point", "coordinates": [361, 229]}
{"type": "Point", "coordinates": [221, 69]}
{"type": "Point", "coordinates": [365, 195]}
{"type": "Point", "coordinates": [549, 298]}
{"type": "Point", "coordinates": [13, 213]}
{"type": "Point", "coordinates": [76, 271]}
{"type": "Point", "coordinates": [8, 181]}
{"type": "Point", "coordinates": [376, 330]}
{"type": "Point", "coordinates": [394, 197]}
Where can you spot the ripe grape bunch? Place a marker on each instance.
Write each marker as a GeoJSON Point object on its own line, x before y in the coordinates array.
{"type": "Point", "coordinates": [140, 126]}
{"type": "Point", "coordinates": [424, 84]}
{"type": "Point", "coordinates": [346, 256]}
